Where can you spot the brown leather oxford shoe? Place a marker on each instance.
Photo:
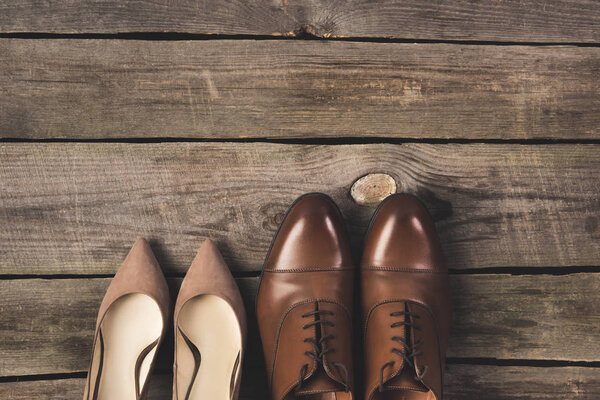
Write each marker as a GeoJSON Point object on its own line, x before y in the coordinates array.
{"type": "Point", "coordinates": [406, 304]}
{"type": "Point", "coordinates": [304, 304]}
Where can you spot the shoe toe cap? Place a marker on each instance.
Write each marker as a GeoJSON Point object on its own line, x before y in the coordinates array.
{"type": "Point", "coordinates": [403, 236]}
{"type": "Point", "coordinates": [312, 236]}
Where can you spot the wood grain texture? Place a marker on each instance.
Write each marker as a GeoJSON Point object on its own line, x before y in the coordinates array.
{"type": "Point", "coordinates": [76, 208]}
{"type": "Point", "coordinates": [463, 382]}
{"type": "Point", "coordinates": [531, 21]}
{"type": "Point", "coordinates": [541, 317]}
{"type": "Point", "coordinates": [66, 389]}
{"type": "Point", "coordinates": [99, 89]}
{"type": "Point", "coordinates": [526, 317]}
{"type": "Point", "coordinates": [48, 325]}
{"type": "Point", "coordinates": [476, 382]}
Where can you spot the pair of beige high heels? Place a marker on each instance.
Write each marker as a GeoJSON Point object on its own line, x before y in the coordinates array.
{"type": "Point", "coordinates": [209, 325]}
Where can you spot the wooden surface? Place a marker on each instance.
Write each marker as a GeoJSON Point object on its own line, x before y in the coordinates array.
{"type": "Point", "coordinates": [462, 382]}
{"type": "Point", "coordinates": [521, 383]}
{"type": "Point", "coordinates": [497, 316]}
{"type": "Point", "coordinates": [180, 121]}
{"type": "Point", "coordinates": [529, 21]}
{"type": "Point", "coordinates": [66, 389]}
{"type": "Point", "coordinates": [73, 208]}
{"type": "Point", "coordinates": [93, 89]}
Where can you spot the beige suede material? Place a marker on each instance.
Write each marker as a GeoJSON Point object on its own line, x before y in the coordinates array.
{"type": "Point", "coordinates": [209, 274]}
{"type": "Point", "coordinates": [139, 273]}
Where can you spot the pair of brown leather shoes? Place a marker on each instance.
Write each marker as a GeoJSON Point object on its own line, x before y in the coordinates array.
{"type": "Point", "coordinates": [305, 304]}
{"type": "Point", "coordinates": [209, 323]}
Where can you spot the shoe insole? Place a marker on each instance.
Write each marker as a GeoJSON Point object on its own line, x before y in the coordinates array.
{"type": "Point", "coordinates": [209, 343]}
{"type": "Point", "coordinates": [129, 334]}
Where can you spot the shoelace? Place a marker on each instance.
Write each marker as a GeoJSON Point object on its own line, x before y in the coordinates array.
{"type": "Point", "coordinates": [319, 352]}
{"type": "Point", "coordinates": [408, 352]}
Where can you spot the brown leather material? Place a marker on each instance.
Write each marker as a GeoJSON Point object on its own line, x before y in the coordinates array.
{"type": "Point", "coordinates": [287, 350]}
{"type": "Point", "coordinates": [313, 236]}
{"type": "Point", "coordinates": [404, 284]}
{"type": "Point", "coordinates": [306, 294]}
{"type": "Point", "coordinates": [139, 273]}
{"type": "Point", "coordinates": [210, 275]}
{"type": "Point", "coordinates": [405, 380]}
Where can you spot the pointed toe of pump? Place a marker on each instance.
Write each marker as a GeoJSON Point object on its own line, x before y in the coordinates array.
{"type": "Point", "coordinates": [140, 262]}
{"type": "Point", "coordinates": [209, 274]}
{"type": "Point", "coordinates": [209, 260]}
{"type": "Point", "coordinates": [139, 273]}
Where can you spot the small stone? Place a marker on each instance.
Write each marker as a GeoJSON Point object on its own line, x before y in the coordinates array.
{"type": "Point", "coordinates": [372, 188]}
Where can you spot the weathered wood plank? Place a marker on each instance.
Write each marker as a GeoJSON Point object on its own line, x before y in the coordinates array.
{"type": "Point", "coordinates": [463, 382]}
{"type": "Point", "coordinates": [526, 316]}
{"type": "Point", "coordinates": [48, 325]}
{"type": "Point", "coordinates": [66, 389]}
{"type": "Point", "coordinates": [51, 323]}
{"type": "Point", "coordinates": [476, 382]}
{"type": "Point", "coordinates": [542, 21]}
{"type": "Point", "coordinates": [98, 89]}
{"type": "Point", "coordinates": [76, 208]}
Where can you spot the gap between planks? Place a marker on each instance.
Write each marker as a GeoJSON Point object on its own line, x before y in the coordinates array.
{"type": "Point", "coordinates": [554, 20]}
{"type": "Point", "coordinates": [182, 36]}
{"type": "Point", "coordinates": [515, 271]}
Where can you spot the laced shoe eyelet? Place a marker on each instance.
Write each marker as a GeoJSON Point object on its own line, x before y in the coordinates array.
{"type": "Point", "coordinates": [409, 351]}
{"type": "Point", "coordinates": [320, 350]}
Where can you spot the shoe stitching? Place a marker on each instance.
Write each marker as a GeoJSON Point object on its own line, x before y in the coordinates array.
{"type": "Point", "coordinates": [411, 270]}
{"type": "Point", "coordinates": [311, 269]}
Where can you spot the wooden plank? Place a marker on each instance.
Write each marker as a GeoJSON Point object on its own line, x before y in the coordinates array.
{"type": "Point", "coordinates": [531, 21]}
{"type": "Point", "coordinates": [526, 316]}
{"type": "Point", "coordinates": [76, 208]}
{"type": "Point", "coordinates": [55, 320]}
{"type": "Point", "coordinates": [160, 389]}
{"type": "Point", "coordinates": [475, 382]}
{"type": "Point", "coordinates": [98, 89]}
{"type": "Point", "coordinates": [66, 389]}
{"type": "Point", "coordinates": [463, 382]}
{"type": "Point", "coordinates": [47, 325]}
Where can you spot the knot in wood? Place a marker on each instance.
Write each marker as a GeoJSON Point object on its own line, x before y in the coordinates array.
{"type": "Point", "coordinates": [372, 188]}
